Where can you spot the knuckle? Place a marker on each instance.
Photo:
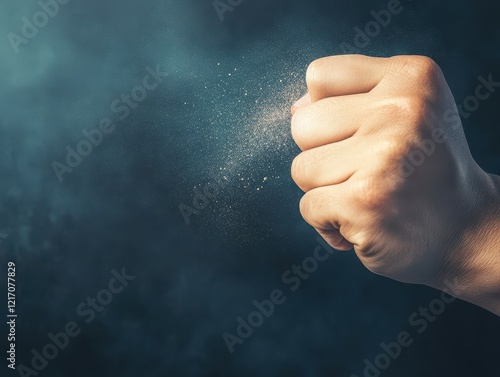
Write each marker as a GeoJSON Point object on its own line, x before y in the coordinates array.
{"type": "Point", "coordinates": [424, 66]}
{"type": "Point", "coordinates": [415, 109]}
{"type": "Point", "coordinates": [387, 111]}
{"type": "Point", "coordinates": [369, 194]}
{"type": "Point", "coordinates": [391, 148]}
{"type": "Point", "coordinates": [420, 67]}
{"type": "Point", "coordinates": [412, 109]}
{"type": "Point", "coordinates": [363, 241]}
{"type": "Point", "coordinates": [366, 249]}
{"type": "Point", "coordinates": [310, 206]}
{"type": "Point", "coordinates": [313, 75]}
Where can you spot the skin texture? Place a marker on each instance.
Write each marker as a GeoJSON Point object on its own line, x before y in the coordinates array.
{"type": "Point", "coordinates": [386, 170]}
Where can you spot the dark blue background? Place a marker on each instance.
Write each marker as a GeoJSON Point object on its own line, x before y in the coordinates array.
{"type": "Point", "coordinates": [119, 208]}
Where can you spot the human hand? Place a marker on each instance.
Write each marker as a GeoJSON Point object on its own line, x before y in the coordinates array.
{"type": "Point", "coordinates": [385, 170]}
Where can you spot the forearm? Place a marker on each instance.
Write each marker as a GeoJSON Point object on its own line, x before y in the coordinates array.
{"type": "Point", "coordinates": [475, 274]}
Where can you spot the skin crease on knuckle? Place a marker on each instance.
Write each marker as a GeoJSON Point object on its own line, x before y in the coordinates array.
{"type": "Point", "coordinates": [315, 208]}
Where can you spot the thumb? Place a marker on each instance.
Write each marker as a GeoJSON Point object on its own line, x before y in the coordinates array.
{"type": "Point", "coordinates": [303, 102]}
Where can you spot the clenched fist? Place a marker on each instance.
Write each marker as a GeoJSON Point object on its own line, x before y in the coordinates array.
{"type": "Point", "coordinates": [386, 170]}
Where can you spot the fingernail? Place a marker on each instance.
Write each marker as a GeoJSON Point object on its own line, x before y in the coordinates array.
{"type": "Point", "coordinates": [304, 101]}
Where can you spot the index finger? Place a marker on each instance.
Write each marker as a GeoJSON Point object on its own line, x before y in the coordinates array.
{"type": "Point", "coordinates": [344, 75]}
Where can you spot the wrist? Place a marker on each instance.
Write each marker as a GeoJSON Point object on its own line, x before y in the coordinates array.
{"type": "Point", "coordinates": [472, 270]}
